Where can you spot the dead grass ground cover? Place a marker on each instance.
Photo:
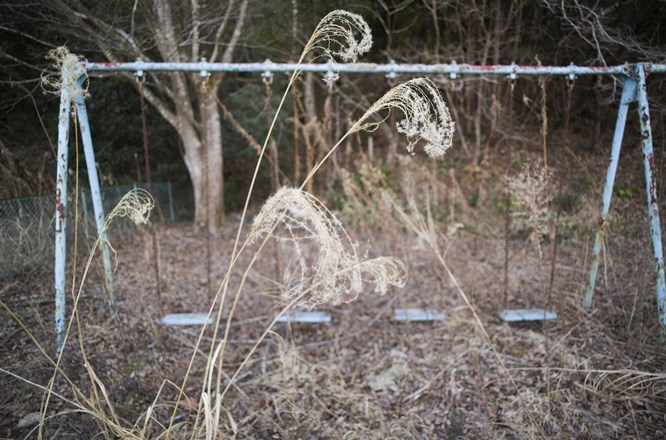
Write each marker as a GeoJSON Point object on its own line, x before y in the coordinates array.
{"type": "Point", "coordinates": [587, 375]}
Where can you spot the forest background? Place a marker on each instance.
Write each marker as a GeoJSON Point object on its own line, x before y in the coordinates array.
{"type": "Point", "coordinates": [488, 115]}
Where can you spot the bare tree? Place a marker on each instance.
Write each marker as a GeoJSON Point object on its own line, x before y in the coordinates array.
{"type": "Point", "coordinates": [609, 27]}
{"type": "Point", "coordinates": [173, 31]}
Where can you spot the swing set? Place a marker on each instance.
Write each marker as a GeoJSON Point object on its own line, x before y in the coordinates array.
{"type": "Point", "coordinates": [632, 76]}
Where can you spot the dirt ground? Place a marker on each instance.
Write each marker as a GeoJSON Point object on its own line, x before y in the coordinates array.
{"type": "Point", "coordinates": [588, 374]}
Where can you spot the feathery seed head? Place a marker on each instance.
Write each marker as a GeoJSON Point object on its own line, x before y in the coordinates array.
{"type": "Point", "coordinates": [336, 274]}
{"type": "Point", "coordinates": [426, 116]}
{"type": "Point", "coordinates": [340, 35]}
{"type": "Point", "coordinates": [65, 72]}
{"type": "Point", "coordinates": [136, 205]}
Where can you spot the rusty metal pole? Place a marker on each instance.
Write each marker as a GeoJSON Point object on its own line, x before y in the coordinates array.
{"type": "Point", "coordinates": [628, 96]}
{"type": "Point", "coordinates": [61, 212]}
{"type": "Point", "coordinates": [95, 192]}
{"type": "Point", "coordinates": [653, 205]}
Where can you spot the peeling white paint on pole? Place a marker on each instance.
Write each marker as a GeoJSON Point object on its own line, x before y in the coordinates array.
{"type": "Point", "coordinates": [61, 213]}
{"type": "Point", "coordinates": [652, 202]}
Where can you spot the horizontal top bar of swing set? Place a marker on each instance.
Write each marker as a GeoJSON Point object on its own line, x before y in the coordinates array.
{"type": "Point", "coordinates": [391, 68]}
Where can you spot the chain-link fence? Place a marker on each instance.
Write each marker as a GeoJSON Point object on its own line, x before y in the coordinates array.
{"type": "Point", "coordinates": [27, 224]}
{"type": "Point", "coordinates": [163, 211]}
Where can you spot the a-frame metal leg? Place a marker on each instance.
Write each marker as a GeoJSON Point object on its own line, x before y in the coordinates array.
{"type": "Point", "coordinates": [61, 216]}
{"type": "Point", "coordinates": [651, 189]}
{"type": "Point", "coordinates": [95, 193]}
{"type": "Point", "coordinates": [628, 96]}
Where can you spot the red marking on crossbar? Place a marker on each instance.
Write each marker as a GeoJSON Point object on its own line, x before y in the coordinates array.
{"type": "Point", "coordinates": [485, 68]}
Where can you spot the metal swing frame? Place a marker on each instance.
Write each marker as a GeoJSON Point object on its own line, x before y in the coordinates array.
{"type": "Point", "coordinates": [633, 77]}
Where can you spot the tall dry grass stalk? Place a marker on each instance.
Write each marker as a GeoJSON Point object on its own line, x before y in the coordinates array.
{"type": "Point", "coordinates": [338, 35]}
{"type": "Point", "coordinates": [426, 117]}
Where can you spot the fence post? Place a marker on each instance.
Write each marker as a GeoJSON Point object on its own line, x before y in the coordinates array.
{"type": "Point", "coordinates": [628, 96]}
{"type": "Point", "coordinates": [61, 210]}
{"type": "Point", "coordinates": [95, 191]}
{"type": "Point", "coordinates": [651, 190]}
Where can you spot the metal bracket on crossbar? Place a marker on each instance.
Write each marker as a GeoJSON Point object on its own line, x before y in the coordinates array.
{"type": "Point", "coordinates": [331, 75]}
{"type": "Point", "coordinates": [139, 73]}
{"type": "Point", "coordinates": [204, 72]}
{"type": "Point", "coordinates": [267, 75]}
{"type": "Point", "coordinates": [391, 75]}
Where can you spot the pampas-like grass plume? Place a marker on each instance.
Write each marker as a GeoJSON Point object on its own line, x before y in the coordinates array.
{"type": "Point", "coordinates": [342, 35]}
{"type": "Point", "coordinates": [64, 74]}
{"type": "Point", "coordinates": [426, 116]}
{"type": "Point", "coordinates": [136, 205]}
{"type": "Point", "coordinates": [337, 274]}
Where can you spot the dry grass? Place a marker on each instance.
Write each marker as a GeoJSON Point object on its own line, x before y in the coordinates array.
{"type": "Point", "coordinates": [364, 376]}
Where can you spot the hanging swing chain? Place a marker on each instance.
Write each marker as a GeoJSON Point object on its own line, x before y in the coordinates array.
{"type": "Point", "coordinates": [141, 76]}
{"type": "Point", "coordinates": [571, 80]}
{"type": "Point", "coordinates": [205, 81]}
{"type": "Point", "coordinates": [507, 220]}
{"type": "Point", "coordinates": [144, 124]}
{"type": "Point", "coordinates": [204, 140]}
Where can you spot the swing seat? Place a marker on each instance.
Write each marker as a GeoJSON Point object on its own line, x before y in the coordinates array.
{"type": "Point", "coordinates": [306, 317]}
{"type": "Point", "coordinates": [185, 319]}
{"type": "Point", "coordinates": [521, 315]}
{"type": "Point", "coordinates": [418, 315]}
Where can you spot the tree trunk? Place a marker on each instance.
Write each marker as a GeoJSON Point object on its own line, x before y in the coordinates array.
{"type": "Point", "coordinates": [213, 154]}
{"type": "Point", "coordinates": [203, 159]}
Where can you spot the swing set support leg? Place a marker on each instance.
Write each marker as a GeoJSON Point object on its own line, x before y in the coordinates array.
{"type": "Point", "coordinates": [628, 96]}
{"type": "Point", "coordinates": [95, 192]}
{"type": "Point", "coordinates": [61, 214]}
{"type": "Point", "coordinates": [651, 190]}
